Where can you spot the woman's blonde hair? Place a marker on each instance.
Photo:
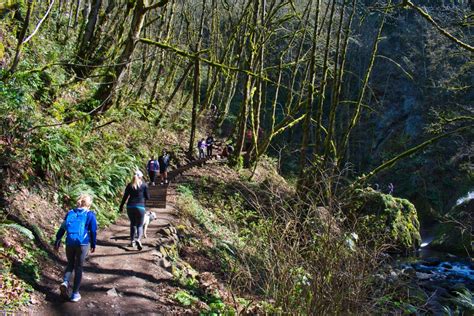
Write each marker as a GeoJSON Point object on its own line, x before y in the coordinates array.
{"type": "Point", "coordinates": [84, 201]}
{"type": "Point", "coordinates": [136, 181]}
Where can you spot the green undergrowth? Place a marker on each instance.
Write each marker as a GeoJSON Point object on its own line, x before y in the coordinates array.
{"type": "Point", "coordinates": [77, 157]}
{"type": "Point", "coordinates": [51, 140]}
{"type": "Point", "coordinates": [192, 293]}
{"type": "Point", "coordinates": [239, 234]}
{"type": "Point", "coordinates": [20, 267]}
{"type": "Point", "coordinates": [296, 257]}
{"type": "Point", "coordinates": [234, 230]}
{"type": "Point", "coordinates": [214, 304]}
{"type": "Point", "coordinates": [226, 219]}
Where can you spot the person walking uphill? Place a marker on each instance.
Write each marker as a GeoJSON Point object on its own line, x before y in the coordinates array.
{"type": "Point", "coordinates": [152, 167]}
{"type": "Point", "coordinates": [164, 161]}
{"type": "Point", "coordinates": [135, 195]}
{"type": "Point", "coordinates": [80, 224]}
{"type": "Point", "coordinates": [209, 145]}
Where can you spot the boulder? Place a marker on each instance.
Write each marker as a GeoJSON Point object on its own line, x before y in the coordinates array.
{"type": "Point", "coordinates": [384, 215]}
{"type": "Point", "coordinates": [423, 276]}
{"type": "Point", "coordinates": [112, 292]}
{"type": "Point", "coordinates": [164, 263]}
{"type": "Point", "coordinates": [453, 234]}
{"type": "Point", "coordinates": [447, 266]}
{"type": "Point", "coordinates": [431, 262]}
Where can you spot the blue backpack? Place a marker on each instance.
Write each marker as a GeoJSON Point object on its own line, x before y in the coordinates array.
{"type": "Point", "coordinates": [76, 227]}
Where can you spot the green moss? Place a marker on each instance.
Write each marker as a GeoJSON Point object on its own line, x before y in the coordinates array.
{"type": "Point", "coordinates": [393, 220]}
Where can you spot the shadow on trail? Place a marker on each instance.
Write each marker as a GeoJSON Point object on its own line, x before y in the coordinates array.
{"type": "Point", "coordinates": [125, 272]}
{"type": "Point", "coordinates": [128, 293]}
{"type": "Point", "coordinates": [125, 247]}
{"type": "Point", "coordinates": [128, 253]}
{"type": "Point", "coordinates": [104, 243]}
{"type": "Point", "coordinates": [127, 237]}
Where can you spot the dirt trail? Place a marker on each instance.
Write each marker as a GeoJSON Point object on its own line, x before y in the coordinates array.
{"type": "Point", "coordinates": [119, 279]}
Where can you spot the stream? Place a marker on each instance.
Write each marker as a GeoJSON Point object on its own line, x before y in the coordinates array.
{"type": "Point", "coordinates": [446, 278]}
{"type": "Point", "coordinates": [441, 268]}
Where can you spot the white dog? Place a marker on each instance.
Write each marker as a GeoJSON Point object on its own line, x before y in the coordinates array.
{"type": "Point", "coordinates": [149, 216]}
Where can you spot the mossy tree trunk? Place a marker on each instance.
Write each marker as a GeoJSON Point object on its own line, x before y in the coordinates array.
{"type": "Point", "coordinates": [86, 48]}
{"type": "Point", "coordinates": [21, 36]}
{"type": "Point", "coordinates": [250, 47]}
{"type": "Point", "coordinates": [114, 75]}
{"type": "Point", "coordinates": [196, 83]}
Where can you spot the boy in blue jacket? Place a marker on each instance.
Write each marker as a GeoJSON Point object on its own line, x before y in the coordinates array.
{"type": "Point", "coordinates": [80, 224]}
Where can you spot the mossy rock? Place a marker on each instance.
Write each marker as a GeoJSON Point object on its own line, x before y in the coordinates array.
{"type": "Point", "coordinates": [385, 218]}
{"type": "Point", "coordinates": [454, 233]}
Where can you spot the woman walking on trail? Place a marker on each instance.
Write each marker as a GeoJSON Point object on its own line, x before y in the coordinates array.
{"type": "Point", "coordinates": [202, 147]}
{"type": "Point", "coordinates": [80, 224]}
{"type": "Point", "coordinates": [135, 195]}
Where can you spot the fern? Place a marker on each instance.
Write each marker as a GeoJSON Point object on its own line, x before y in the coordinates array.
{"type": "Point", "coordinates": [23, 230]}
{"type": "Point", "coordinates": [465, 299]}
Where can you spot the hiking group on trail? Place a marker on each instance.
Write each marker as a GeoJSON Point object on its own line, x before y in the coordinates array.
{"type": "Point", "coordinates": [160, 166]}
{"type": "Point", "coordinates": [80, 223]}
{"type": "Point", "coordinates": [205, 147]}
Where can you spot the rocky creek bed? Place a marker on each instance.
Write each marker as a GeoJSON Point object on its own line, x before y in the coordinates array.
{"type": "Point", "coordinates": [447, 283]}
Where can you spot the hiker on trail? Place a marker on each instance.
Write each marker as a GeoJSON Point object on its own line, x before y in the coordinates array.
{"type": "Point", "coordinates": [152, 167]}
{"type": "Point", "coordinates": [135, 195]}
{"type": "Point", "coordinates": [201, 147]}
{"type": "Point", "coordinates": [209, 145]}
{"type": "Point", "coordinates": [80, 226]}
{"type": "Point", "coordinates": [164, 161]}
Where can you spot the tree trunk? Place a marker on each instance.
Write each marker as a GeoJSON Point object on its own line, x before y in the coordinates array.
{"type": "Point", "coordinates": [358, 107]}
{"type": "Point", "coordinates": [21, 36]}
{"type": "Point", "coordinates": [197, 83]}
{"type": "Point", "coordinates": [76, 14]}
{"type": "Point", "coordinates": [248, 90]}
{"type": "Point", "coordinates": [310, 98]}
{"type": "Point", "coordinates": [196, 88]}
{"type": "Point", "coordinates": [85, 49]}
{"type": "Point", "coordinates": [115, 75]}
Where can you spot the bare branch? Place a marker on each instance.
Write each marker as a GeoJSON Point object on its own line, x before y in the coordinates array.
{"type": "Point", "coordinates": [40, 22]}
{"type": "Point", "coordinates": [411, 151]}
{"type": "Point", "coordinates": [159, 4]}
{"type": "Point", "coordinates": [428, 17]}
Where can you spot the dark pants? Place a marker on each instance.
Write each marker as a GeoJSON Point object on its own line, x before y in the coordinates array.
{"type": "Point", "coordinates": [163, 174]}
{"type": "Point", "coordinates": [152, 175]}
{"type": "Point", "coordinates": [209, 150]}
{"type": "Point", "coordinates": [137, 217]}
{"type": "Point", "coordinates": [75, 260]}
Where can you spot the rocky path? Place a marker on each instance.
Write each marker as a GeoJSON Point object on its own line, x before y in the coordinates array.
{"type": "Point", "coordinates": [119, 279]}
